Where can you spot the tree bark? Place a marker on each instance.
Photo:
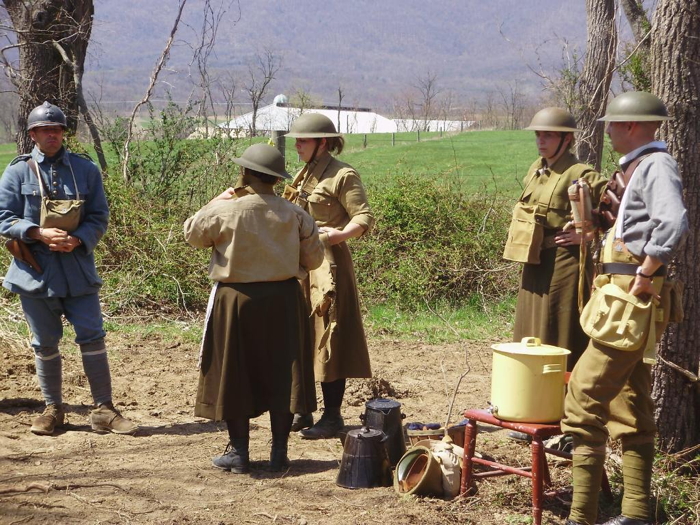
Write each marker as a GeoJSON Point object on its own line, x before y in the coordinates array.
{"type": "Point", "coordinates": [676, 80]}
{"type": "Point", "coordinates": [595, 79]}
{"type": "Point", "coordinates": [43, 74]}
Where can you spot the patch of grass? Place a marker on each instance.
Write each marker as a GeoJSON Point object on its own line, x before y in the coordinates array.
{"type": "Point", "coordinates": [442, 323]}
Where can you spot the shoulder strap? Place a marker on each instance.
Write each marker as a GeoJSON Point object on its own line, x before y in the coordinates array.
{"type": "Point", "coordinates": [628, 168]}
{"type": "Point", "coordinates": [35, 168]}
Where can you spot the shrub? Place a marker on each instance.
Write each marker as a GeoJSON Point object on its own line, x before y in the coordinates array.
{"type": "Point", "coordinates": [432, 242]}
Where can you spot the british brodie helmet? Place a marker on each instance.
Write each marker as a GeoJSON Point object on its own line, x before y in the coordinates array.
{"type": "Point", "coordinates": [553, 119]}
{"type": "Point", "coordinates": [312, 126]}
{"type": "Point", "coordinates": [46, 115]}
{"type": "Point", "coordinates": [264, 159]}
{"type": "Point", "coordinates": [636, 106]}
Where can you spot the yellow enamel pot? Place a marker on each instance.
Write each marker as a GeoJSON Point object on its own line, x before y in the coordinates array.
{"type": "Point", "coordinates": [528, 381]}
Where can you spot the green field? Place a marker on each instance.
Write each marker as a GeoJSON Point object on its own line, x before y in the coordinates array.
{"type": "Point", "coordinates": [481, 160]}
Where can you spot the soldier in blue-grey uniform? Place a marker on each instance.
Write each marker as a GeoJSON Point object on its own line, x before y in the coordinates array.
{"type": "Point", "coordinates": [53, 205]}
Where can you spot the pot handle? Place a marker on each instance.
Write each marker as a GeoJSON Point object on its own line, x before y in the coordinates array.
{"type": "Point", "coordinates": [552, 368]}
{"type": "Point", "coordinates": [531, 341]}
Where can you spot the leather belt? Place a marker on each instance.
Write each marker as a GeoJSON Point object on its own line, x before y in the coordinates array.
{"type": "Point", "coordinates": [626, 269]}
{"type": "Point", "coordinates": [548, 241]}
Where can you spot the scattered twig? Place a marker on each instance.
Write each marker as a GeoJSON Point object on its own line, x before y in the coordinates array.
{"type": "Point", "coordinates": [23, 520]}
{"type": "Point", "coordinates": [265, 514]}
{"type": "Point", "coordinates": [55, 486]}
{"type": "Point", "coordinates": [348, 504]}
{"type": "Point", "coordinates": [440, 317]}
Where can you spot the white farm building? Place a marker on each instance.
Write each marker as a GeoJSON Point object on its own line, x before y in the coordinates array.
{"type": "Point", "coordinates": [280, 115]}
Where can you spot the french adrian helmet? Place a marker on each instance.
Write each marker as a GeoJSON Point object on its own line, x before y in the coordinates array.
{"type": "Point", "coordinates": [264, 159]}
{"type": "Point", "coordinates": [553, 119]}
{"type": "Point", "coordinates": [312, 126]}
{"type": "Point", "coordinates": [636, 106]}
{"type": "Point", "coordinates": [46, 115]}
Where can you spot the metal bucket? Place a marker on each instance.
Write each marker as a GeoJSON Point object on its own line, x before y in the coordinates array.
{"type": "Point", "coordinates": [385, 415]}
{"type": "Point", "coordinates": [365, 462]}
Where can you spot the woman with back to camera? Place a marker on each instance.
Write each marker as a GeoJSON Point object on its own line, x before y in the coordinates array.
{"type": "Point", "coordinates": [332, 192]}
{"type": "Point", "coordinates": [255, 355]}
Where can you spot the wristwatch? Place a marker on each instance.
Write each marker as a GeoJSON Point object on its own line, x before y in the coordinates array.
{"type": "Point", "coordinates": [642, 274]}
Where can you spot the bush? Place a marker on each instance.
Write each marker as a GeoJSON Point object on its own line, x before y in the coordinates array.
{"type": "Point", "coordinates": [432, 242]}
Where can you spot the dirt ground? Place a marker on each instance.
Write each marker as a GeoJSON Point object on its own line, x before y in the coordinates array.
{"type": "Point", "coordinates": [164, 474]}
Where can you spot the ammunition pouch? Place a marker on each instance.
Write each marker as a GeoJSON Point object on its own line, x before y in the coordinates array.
{"type": "Point", "coordinates": [616, 318]}
{"type": "Point", "coordinates": [525, 235]}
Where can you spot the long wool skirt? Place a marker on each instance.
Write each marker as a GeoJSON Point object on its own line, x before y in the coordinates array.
{"type": "Point", "coordinates": [345, 353]}
{"type": "Point", "coordinates": [257, 352]}
{"type": "Point", "coordinates": [548, 301]}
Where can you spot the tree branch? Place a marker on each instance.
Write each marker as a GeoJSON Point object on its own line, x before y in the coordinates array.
{"type": "Point", "coordinates": [154, 78]}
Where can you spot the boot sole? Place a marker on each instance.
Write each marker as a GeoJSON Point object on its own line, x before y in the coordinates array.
{"type": "Point", "coordinates": [106, 430]}
{"type": "Point", "coordinates": [41, 432]}
{"type": "Point", "coordinates": [237, 470]}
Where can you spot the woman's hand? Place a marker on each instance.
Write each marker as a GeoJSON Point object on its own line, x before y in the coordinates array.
{"type": "Point", "coordinates": [227, 194]}
{"type": "Point", "coordinates": [336, 236]}
{"type": "Point", "coordinates": [567, 237]}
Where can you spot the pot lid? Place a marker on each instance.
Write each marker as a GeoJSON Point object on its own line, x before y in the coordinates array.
{"type": "Point", "coordinates": [382, 404]}
{"type": "Point", "coordinates": [367, 433]}
{"type": "Point", "coordinates": [530, 346]}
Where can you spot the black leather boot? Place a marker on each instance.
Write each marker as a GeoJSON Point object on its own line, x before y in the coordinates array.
{"type": "Point", "coordinates": [278, 454]}
{"type": "Point", "coordinates": [235, 458]}
{"type": "Point", "coordinates": [327, 427]}
{"type": "Point", "coordinates": [302, 421]}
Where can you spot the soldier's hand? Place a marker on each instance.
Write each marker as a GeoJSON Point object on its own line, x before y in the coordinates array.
{"type": "Point", "coordinates": [643, 288]}
{"type": "Point", "coordinates": [49, 236]}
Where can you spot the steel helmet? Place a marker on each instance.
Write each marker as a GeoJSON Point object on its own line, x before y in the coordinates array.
{"type": "Point", "coordinates": [264, 159]}
{"type": "Point", "coordinates": [553, 119]}
{"type": "Point", "coordinates": [636, 106]}
{"type": "Point", "coordinates": [46, 115]}
{"type": "Point", "coordinates": [312, 126]}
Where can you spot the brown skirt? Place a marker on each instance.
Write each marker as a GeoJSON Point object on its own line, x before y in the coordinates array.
{"type": "Point", "coordinates": [548, 302]}
{"type": "Point", "coordinates": [345, 354]}
{"type": "Point", "coordinates": [256, 354]}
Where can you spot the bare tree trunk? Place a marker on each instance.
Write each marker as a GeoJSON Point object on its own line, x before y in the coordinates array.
{"type": "Point", "coordinates": [595, 79]}
{"type": "Point", "coordinates": [42, 73]}
{"type": "Point", "coordinates": [676, 79]}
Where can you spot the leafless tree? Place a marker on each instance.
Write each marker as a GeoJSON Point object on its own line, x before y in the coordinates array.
{"type": "Point", "coordinates": [154, 78]}
{"type": "Point", "coordinates": [512, 103]}
{"type": "Point", "coordinates": [340, 103]}
{"type": "Point", "coordinates": [428, 89]}
{"type": "Point", "coordinates": [199, 64]}
{"type": "Point", "coordinates": [260, 74]}
{"type": "Point", "coordinates": [675, 48]}
{"type": "Point", "coordinates": [51, 37]}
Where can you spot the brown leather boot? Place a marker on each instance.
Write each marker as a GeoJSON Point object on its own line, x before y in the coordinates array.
{"type": "Point", "coordinates": [106, 418]}
{"type": "Point", "coordinates": [52, 417]}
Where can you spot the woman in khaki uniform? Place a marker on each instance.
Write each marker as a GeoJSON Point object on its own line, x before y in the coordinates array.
{"type": "Point", "coordinates": [332, 192]}
{"type": "Point", "coordinates": [548, 299]}
{"type": "Point", "coordinates": [254, 354]}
